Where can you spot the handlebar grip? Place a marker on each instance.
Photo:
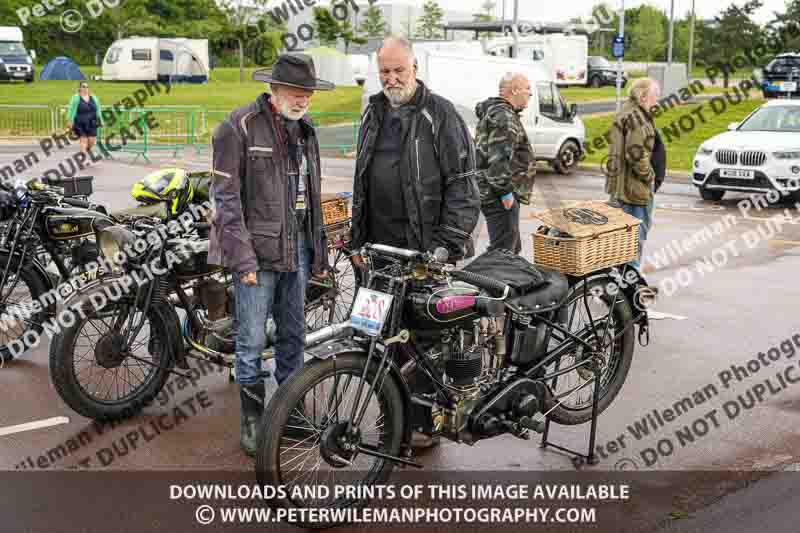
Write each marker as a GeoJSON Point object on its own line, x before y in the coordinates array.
{"type": "Point", "coordinates": [76, 203]}
{"type": "Point", "coordinates": [489, 284]}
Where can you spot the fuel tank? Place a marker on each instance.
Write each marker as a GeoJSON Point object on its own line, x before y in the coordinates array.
{"type": "Point", "coordinates": [442, 306]}
{"type": "Point", "coordinates": [66, 223]}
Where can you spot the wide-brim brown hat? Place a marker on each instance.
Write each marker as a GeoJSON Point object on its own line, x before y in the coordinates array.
{"type": "Point", "coordinates": [294, 70]}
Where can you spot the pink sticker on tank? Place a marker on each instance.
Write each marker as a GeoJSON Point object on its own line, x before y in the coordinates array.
{"type": "Point", "coordinates": [451, 304]}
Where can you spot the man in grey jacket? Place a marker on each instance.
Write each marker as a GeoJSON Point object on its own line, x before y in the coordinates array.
{"type": "Point", "coordinates": [267, 227]}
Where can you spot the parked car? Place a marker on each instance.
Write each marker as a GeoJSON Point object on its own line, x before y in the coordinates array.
{"type": "Point", "coordinates": [601, 72]}
{"type": "Point", "coordinates": [781, 76]}
{"type": "Point", "coordinates": [15, 61]}
{"type": "Point", "coordinates": [759, 154]}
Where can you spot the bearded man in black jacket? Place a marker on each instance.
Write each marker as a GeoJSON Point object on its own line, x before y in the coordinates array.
{"type": "Point", "coordinates": [415, 185]}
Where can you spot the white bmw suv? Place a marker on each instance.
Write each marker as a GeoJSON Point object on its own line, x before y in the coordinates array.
{"type": "Point", "coordinates": [759, 154]}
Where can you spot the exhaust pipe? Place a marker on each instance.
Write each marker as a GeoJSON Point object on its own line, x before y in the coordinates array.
{"type": "Point", "coordinates": [334, 331]}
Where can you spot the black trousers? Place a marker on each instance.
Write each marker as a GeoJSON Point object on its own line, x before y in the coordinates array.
{"type": "Point", "coordinates": [503, 226]}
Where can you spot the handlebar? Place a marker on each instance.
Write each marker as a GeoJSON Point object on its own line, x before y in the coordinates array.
{"type": "Point", "coordinates": [483, 282]}
{"type": "Point", "coordinates": [74, 202]}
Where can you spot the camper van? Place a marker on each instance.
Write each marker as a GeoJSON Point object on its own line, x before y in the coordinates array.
{"type": "Point", "coordinates": [152, 58]}
{"type": "Point", "coordinates": [564, 57]}
{"type": "Point", "coordinates": [465, 79]}
{"type": "Point", "coordinates": [15, 62]}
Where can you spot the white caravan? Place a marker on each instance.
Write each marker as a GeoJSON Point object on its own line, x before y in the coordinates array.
{"type": "Point", "coordinates": [565, 57]}
{"type": "Point", "coordinates": [466, 79]}
{"type": "Point", "coordinates": [153, 58]}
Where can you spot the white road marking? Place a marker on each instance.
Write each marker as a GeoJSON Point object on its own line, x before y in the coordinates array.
{"type": "Point", "coordinates": [30, 426]}
{"type": "Point", "coordinates": [657, 315]}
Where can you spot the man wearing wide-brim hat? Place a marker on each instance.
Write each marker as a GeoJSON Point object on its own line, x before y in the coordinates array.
{"type": "Point", "coordinates": [267, 227]}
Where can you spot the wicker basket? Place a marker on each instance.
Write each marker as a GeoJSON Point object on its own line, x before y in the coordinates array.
{"type": "Point", "coordinates": [334, 209]}
{"type": "Point", "coordinates": [606, 237]}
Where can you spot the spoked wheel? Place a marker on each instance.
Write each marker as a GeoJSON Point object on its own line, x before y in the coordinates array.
{"type": "Point", "coordinates": [103, 373]}
{"type": "Point", "coordinates": [600, 319]}
{"type": "Point", "coordinates": [329, 302]}
{"type": "Point", "coordinates": [305, 439]}
{"type": "Point", "coordinates": [21, 323]}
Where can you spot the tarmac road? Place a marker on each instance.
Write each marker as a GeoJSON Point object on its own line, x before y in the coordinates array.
{"type": "Point", "coordinates": [740, 302]}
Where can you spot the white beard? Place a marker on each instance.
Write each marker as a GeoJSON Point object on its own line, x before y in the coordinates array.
{"type": "Point", "coordinates": [399, 95]}
{"type": "Point", "coordinates": [286, 110]}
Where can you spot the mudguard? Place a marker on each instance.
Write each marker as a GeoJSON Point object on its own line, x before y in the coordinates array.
{"type": "Point", "coordinates": [33, 263]}
{"type": "Point", "coordinates": [631, 284]}
{"type": "Point", "coordinates": [165, 312]}
{"type": "Point", "coordinates": [335, 347]}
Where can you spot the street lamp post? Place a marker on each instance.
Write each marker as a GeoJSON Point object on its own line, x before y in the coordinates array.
{"type": "Point", "coordinates": [691, 47]}
{"type": "Point", "coordinates": [671, 29]}
{"type": "Point", "coordinates": [619, 59]}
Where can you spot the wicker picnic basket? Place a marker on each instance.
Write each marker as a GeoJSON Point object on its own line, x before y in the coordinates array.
{"type": "Point", "coordinates": [600, 236]}
{"type": "Point", "coordinates": [336, 216]}
{"type": "Point", "coordinates": [334, 209]}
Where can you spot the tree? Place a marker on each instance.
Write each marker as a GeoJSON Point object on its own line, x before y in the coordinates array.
{"type": "Point", "coordinates": [488, 7]}
{"type": "Point", "coordinates": [326, 28]}
{"type": "Point", "coordinates": [373, 24]}
{"type": "Point", "coordinates": [348, 35]}
{"type": "Point", "coordinates": [733, 33]}
{"type": "Point", "coordinates": [429, 24]}
{"type": "Point", "coordinates": [604, 17]}
{"type": "Point", "coordinates": [647, 34]}
{"type": "Point", "coordinates": [782, 32]}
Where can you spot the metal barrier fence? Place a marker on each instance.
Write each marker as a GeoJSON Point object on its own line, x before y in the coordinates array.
{"type": "Point", "coordinates": [178, 127]}
{"type": "Point", "coordinates": [26, 122]}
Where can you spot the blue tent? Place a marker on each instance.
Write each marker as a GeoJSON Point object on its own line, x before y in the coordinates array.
{"type": "Point", "coordinates": [61, 68]}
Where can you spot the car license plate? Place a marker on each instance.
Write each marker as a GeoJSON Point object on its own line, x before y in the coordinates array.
{"type": "Point", "coordinates": [735, 173]}
{"type": "Point", "coordinates": [370, 310]}
{"type": "Point", "coordinates": [787, 86]}
{"type": "Point", "coordinates": [19, 74]}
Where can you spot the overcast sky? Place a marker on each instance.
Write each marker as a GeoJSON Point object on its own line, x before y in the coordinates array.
{"type": "Point", "coordinates": [548, 10]}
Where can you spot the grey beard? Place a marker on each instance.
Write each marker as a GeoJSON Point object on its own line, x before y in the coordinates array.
{"type": "Point", "coordinates": [398, 98]}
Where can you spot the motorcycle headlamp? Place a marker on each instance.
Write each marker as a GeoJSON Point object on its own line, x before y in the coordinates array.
{"type": "Point", "coordinates": [117, 245]}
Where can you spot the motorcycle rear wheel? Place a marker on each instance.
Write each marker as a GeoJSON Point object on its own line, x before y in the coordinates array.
{"type": "Point", "coordinates": [617, 356]}
{"type": "Point", "coordinates": [295, 421]}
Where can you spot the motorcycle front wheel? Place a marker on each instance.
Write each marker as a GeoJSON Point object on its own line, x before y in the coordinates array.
{"type": "Point", "coordinates": [304, 439]}
{"type": "Point", "coordinates": [102, 375]}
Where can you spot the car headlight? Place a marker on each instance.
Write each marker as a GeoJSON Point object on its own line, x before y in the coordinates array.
{"type": "Point", "coordinates": [786, 155]}
{"type": "Point", "coordinates": [1, 61]}
{"type": "Point", "coordinates": [704, 150]}
{"type": "Point", "coordinates": [116, 244]}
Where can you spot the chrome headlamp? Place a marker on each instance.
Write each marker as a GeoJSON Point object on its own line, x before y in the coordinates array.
{"type": "Point", "coordinates": [117, 245]}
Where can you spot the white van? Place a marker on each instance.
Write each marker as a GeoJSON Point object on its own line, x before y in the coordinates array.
{"type": "Point", "coordinates": [15, 62]}
{"type": "Point", "coordinates": [556, 133]}
{"type": "Point", "coordinates": [565, 57]}
{"type": "Point", "coordinates": [153, 58]}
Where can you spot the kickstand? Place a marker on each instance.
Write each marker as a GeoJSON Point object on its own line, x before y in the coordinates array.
{"type": "Point", "coordinates": [578, 458]}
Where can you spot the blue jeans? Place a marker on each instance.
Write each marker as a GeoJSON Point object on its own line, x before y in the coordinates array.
{"type": "Point", "coordinates": [282, 295]}
{"type": "Point", "coordinates": [643, 213]}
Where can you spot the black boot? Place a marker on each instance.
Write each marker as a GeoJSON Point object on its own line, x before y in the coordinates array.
{"type": "Point", "coordinates": [252, 397]}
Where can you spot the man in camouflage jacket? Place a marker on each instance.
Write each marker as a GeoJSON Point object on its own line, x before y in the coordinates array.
{"type": "Point", "coordinates": [505, 160]}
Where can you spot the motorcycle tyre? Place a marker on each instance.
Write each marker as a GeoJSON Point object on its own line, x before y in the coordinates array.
{"type": "Point", "coordinates": [624, 315]}
{"type": "Point", "coordinates": [291, 392]}
{"type": "Point", "coordinates": [62, 371]}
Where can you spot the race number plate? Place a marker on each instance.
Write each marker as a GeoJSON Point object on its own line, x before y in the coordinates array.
{"type": "Point", "coordinates": [370, 310]}
{"type": "Point", "coordinates": [735, 173]}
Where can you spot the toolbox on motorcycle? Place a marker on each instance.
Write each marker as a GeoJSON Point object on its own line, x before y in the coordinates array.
{"type": "Point", "coordinates": [578, 238]}
{"type": "Point", "coordinates": [74, 186]}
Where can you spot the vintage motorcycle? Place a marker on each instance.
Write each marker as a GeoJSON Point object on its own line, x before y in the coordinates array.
{"type": "Point", "coordinates": [41, 227]}
{"type": "Point", "coordinates": [114, 359]}
{"type": "Point", "coordinates": [495, 359]}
